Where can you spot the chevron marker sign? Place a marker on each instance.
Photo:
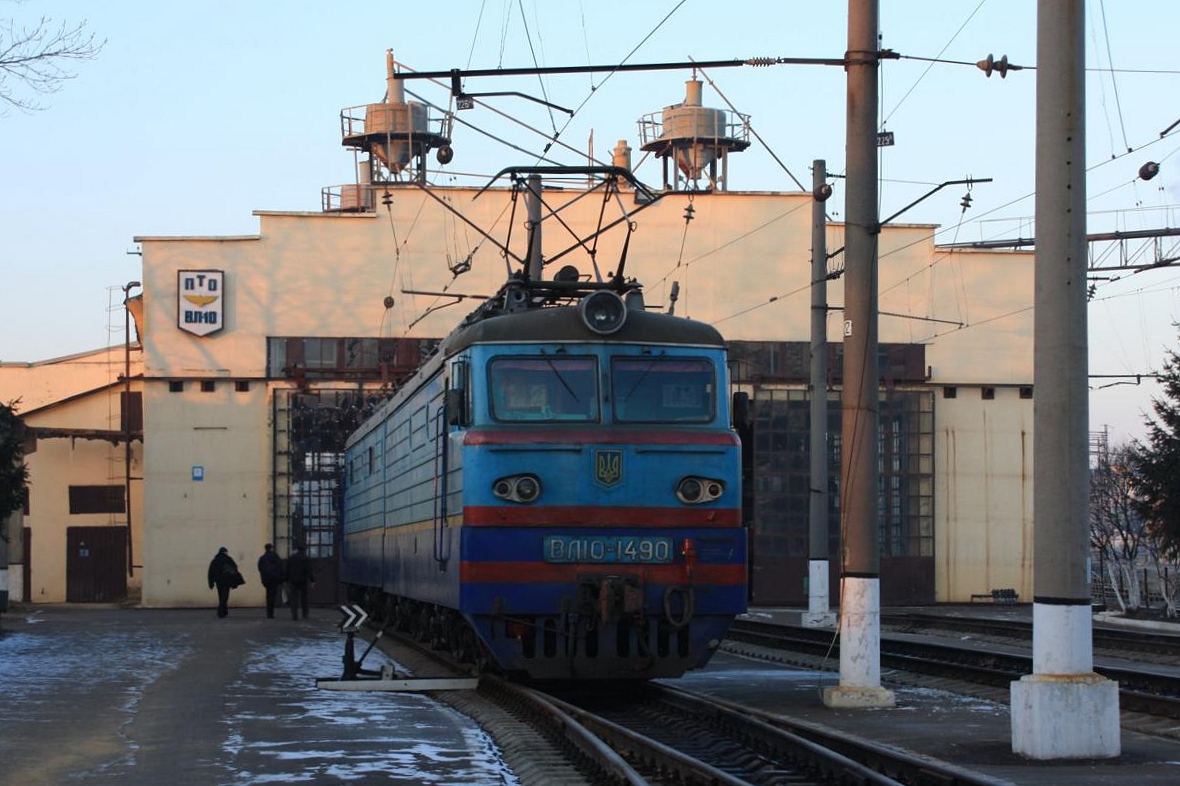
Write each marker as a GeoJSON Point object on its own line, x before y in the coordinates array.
{"type": "Point", "coordinates": [353, 617]}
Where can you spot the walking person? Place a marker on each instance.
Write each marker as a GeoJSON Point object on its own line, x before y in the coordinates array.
{"type": "Point", "coordinates": [223, 573]}
{"type": "Point", "coordinates": [299, 578]}
{"type": "Point", "coordinates": [270, 571]}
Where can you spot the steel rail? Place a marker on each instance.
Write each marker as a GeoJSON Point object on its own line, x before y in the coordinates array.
{"type": "Point", "coordinates": [828, 765]}
{"type": "Point", "coordinates": [880, 759]}
{"type": "Point", "coordinates": [1145, 691]}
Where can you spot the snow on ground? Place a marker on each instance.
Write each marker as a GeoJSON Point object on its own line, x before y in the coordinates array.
{"type": "Point", "coordinates": [402, 737]}
{"type": "Point", "coordinates": [278, 727]}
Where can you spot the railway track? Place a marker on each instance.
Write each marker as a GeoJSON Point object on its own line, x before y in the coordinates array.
{"type": "Point", "coordinates": [1110, 639]}
{"type": "Point", "coordinates": [1140, 690]}
{"type": "Point", "coordinates": [652, 734]}
{"type": "Point", "coordinates": [664, 728]}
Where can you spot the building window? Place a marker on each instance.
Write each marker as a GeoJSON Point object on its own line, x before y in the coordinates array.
{"type": "Point", "coordinates": [312, 357]}
{"type": "Point", "coordinates": [208, 386]}
{"type": "Point", "coordinates": [242, 386]}
{"type": "Point", "coordinates": [950, 392]}
{"type": "Point", "coordinates": [782, 468]}
{"type": "Point", "coordinates": [176, 386]}
{"type": "Point", "coordinates": [1026, 391]}
{"type": "Point", "coordinates": [309, 463]}
{"type": "Point", "coordinates": [97, 499]}
{"type": "Point", "coordinates": [988, 393]}
{"type": "Point", "coordinates": [131, 417]}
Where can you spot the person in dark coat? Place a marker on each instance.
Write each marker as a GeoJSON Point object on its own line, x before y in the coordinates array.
{"type": "Point", "coordinates": [223, 573]}
{"type": "Point", "coordinates": [299, 578]}
{"type": "Point", "coordinates": [270, 571]}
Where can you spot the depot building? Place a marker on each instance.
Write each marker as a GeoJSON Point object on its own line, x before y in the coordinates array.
{"type": "Point", "coordinates": [221, 420]}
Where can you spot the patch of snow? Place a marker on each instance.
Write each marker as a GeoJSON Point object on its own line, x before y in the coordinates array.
{"type": "Point", "coordinates": [346, 736]}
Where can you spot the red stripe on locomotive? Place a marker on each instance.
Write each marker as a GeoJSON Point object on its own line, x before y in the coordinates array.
{"type": "Point", "coordinates": [586, 516]}
{"type": "Point", "coordinates": [543, 572]}
{"type": "Point", "coordinates": [639, 438]}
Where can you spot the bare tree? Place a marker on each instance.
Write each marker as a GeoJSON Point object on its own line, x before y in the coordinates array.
{"type": "Point", "coordinates": [1116, 531]}
{"type": "Point", "coordinates": [34, 59]}
{"type": "Point", "coordinates": [1161, 555]}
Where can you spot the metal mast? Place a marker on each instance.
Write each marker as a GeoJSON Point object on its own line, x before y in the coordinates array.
{"type": "Point", "coordinates": [1063, 710]}
{"type": "Point", "coordinates": [819, 614]}
{"type": "Point", "coordinates": [860, 579]}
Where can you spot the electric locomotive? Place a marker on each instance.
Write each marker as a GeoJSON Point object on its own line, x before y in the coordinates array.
{"type": "Point", "coordinates": [556, 492]}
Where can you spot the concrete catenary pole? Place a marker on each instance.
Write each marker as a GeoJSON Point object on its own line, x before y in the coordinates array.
{"type": "Point", "coordinates": [819, 614]}
{"type": "Point", "coordinates": [1063, 710]}
{"type": "Point", "coordinates": [860, 579]}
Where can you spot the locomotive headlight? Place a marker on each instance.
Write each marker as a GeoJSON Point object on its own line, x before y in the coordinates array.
{"type": "Point", "coordinates": [517, 488]}
{"type": "Point", "coordinates": [528, 488]}
{"type": "Point", "coordinates": [603, 311]}
{"type": "Point", "coordinates": [689, 490]}
{"type": "Point", "coordinates": [693, 490]}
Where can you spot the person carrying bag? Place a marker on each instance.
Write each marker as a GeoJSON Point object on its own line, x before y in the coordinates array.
{"type": "Point", "coordinates": [224, 574]}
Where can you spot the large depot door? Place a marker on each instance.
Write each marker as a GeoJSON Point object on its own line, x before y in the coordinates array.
{"type": "Point", "coordinates": [96, 564]}
{"type": "Point", "coordinates": [781, 479]}
{"type": "Point", "coordinates": [310, 429]}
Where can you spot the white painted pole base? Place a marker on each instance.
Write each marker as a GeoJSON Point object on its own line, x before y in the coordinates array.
{"type": "Point", "coordinates": [1063, 710]}
{"type": "Point", "coordinates": [818, 614]}
{"type": "Point", "coordinates": [860, 648]}
{"type": "Point", "coordinates": [1065, 716]}
{"type": "Point", "coordinates": [16, 583]}
{"type": "Point", "coordinates": [846, 698]}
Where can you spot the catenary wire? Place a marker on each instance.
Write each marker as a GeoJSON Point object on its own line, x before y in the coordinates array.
{"type": "Point", "coordinates": [932, 63]}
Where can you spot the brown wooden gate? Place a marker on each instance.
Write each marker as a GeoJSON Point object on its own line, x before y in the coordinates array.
{"type": "Point", "coordinates": [96, 564]}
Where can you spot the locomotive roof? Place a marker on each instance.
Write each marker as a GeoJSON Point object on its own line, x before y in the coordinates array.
{"type": "Point", "coordinates": [564, 323]}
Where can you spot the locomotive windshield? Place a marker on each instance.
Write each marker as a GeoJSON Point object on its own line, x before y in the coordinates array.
{"type": "Point", "coordinates": [663, 390]}
{"type": "Point", "coordinates": [544, 388]}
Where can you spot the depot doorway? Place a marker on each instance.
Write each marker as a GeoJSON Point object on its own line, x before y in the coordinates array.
{"type": "Point", "coordinates": [96, 564]}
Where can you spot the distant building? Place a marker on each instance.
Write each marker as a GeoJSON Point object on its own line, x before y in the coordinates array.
{"type": "Point", "coordinates": [244, 420]}
{"type": "Point", "coordinates": [261, 353]}
{"type": "Point", "coordinates": [74, 543]}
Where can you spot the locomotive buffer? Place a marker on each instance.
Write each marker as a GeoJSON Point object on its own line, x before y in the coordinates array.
{"type": "Point", "coordinates": [357, 678]}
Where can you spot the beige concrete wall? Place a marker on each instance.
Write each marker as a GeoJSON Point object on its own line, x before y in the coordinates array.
{"type": "Point", "coordinates": [327, 274]}
{"type": "Point", "coordinates": [743, 263]}
{"type": "Point", "coordinates": [984, 494]}
{"type": "Point", "coordinates": [43, 382]}
{"type": "Point", "coordinates": [226, 433]}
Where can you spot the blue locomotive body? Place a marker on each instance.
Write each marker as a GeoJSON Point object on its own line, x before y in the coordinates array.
{"type": "Point", "coordinates": [557, 491]}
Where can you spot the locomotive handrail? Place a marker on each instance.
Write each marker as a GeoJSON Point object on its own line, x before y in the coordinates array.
{"type": "Point", "coordinates": [440, 541]}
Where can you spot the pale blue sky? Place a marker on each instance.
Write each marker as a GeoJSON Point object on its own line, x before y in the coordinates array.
{"type": "Point", "coordinates": [196, 114]}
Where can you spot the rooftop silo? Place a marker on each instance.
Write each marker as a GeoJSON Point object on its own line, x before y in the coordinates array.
{"type": "Point", "coordinates": [694, 139]}
{"type": "Point", "coordinates": [396, 134]}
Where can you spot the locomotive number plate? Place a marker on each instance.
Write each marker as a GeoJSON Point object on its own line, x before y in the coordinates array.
{"type": "Point", "coordinates": [613, 548]}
